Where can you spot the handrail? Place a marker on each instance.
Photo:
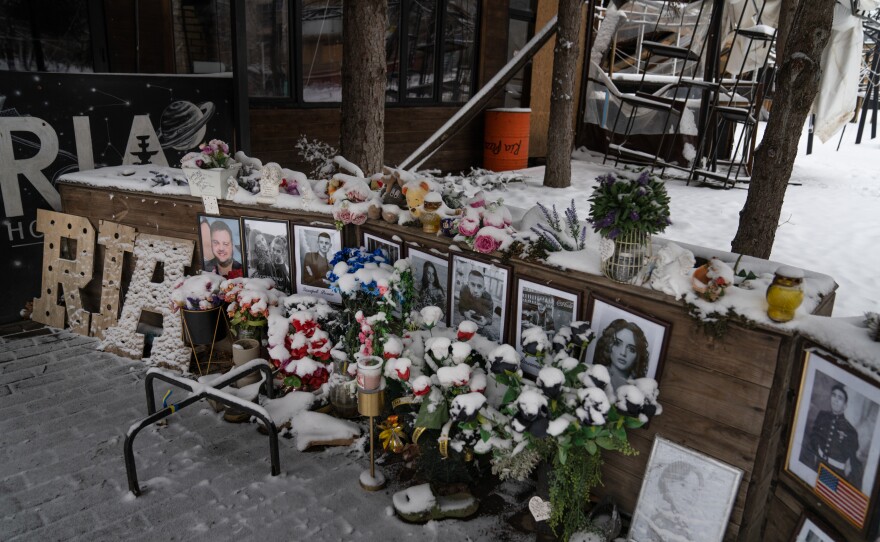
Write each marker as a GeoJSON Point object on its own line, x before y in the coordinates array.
{"type": "Point", "coordinates": [202, 391]}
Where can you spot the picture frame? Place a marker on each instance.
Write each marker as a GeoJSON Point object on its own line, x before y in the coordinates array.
{"type": "Point", "coordinates": [391, 249]}
{"type": "Point", "coordinates": [810, 529]}
{"type": "Point", "coordinates": [217, 228]}
{"type": "Point", "coordinates": [545, 306]}
{"type": "Point", "coordinates": [267, 251]}
{"type": "Point", "coordinates": [314, 247]}
{"type": "Point", "coordinates": [684, 492]}
{"type": "Point", "coordinates": [427, 289]}
{"type": "Point", "coordinates": [643, 335]}
{"type": "Point", "coordinates": [834, 445]}
{"type": "Point", "coordinates": [486, 304]}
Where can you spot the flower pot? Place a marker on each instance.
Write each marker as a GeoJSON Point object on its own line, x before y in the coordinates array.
{"type": "Point", "coordinates": [244, 350]}
{"type": "Point", "coordinates": [203, 327]}
{"type": "Point", "coordinates": [630, 254]}
{"type": "Point", "coordinates": [210, 182]}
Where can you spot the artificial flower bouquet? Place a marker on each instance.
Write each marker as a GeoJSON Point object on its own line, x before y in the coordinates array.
{"type": "Point", "coordinates": [211, 155]}
{"type": "Point", "coordinates": [448, 385]}
{"type": "Point", "coordinates": [620, 205]}
{"type": "Point", "coordinates": [198, 292]}
{"type": "Point", "coordinates": [249, 301]}
{"type": "Point", "coordinates": [485, 226]}
{"type": "Point", "coordinates": [565, 418]}
{"type": "Point", "coordinates": [299, 343]}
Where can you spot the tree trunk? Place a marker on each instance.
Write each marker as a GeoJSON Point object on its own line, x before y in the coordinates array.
{"type": "Point", "coordinates": [363, 83]}
{"type": "Point", "coordinates": [557, 174]}
{"type": "Point", "coordinates": [796, 86]}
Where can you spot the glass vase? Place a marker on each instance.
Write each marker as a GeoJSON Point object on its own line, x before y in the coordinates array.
{"type": "Point", "coordinates": [631, 253]}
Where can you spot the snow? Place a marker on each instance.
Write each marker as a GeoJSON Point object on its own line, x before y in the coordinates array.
{"type": "Point", "coordinates": [315, 427]}
{"type": "Point", "coordinates": [415, 499]}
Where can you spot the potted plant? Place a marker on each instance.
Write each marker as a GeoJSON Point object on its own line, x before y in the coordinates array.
{"type": "Point", "coordinates": [200, 302]}
{"type": "Point", "coordinates": [249, 300]}
{"type": "Point", "coordinates": [626, 212]}
{"type": "Point", "coordinates": [208, 171]}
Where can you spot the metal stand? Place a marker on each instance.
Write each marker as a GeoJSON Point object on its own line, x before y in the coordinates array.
{"type": "Point", "coordinates": [212, 392]}
{"type": "Point", "coordinates": [370, 404]}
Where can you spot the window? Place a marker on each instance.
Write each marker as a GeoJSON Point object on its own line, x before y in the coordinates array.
{"type": "Point", "coordinates": [423, 38]}
{"type": "Point", "coordinates": [268, 47]}
{"type": "Point", "coordinates": [321, 32]}
{"type": "Point", "coordinates": [32, 41]}
{"type": "Point", "coordinates": [116, 36]}
{"type": "Point", "coordinates": [520, 29]}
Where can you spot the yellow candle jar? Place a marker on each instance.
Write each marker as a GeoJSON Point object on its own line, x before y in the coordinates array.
{"type": "Point", "coordinates": [785, 294]}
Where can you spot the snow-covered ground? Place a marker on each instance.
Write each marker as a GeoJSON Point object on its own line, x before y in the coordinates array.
{"type": "Point", "coordinates": [830, 220]}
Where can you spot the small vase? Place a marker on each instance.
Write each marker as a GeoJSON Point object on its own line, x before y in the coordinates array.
{"type": "Point", "coordinates": [343, 397]}
{"type": "Point", "coordinates": [630, 254]}
{"type": "Point", "coordinates": [243, 351]}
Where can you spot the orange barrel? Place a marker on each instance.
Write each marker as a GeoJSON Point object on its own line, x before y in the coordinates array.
{"type": "Point", "coordinates": [506, 139]}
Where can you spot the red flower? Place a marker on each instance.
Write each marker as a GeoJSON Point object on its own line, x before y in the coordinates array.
{"type": "Point", "coordinates": [424, 391]}
{"type": "Point", "coordinates": [464, 335]}
{"type": "Point", "coordinates": [404, 375]}
{"type": "Point", "coordinates": [306, 327]}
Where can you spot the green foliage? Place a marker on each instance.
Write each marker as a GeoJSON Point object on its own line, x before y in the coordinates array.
{"type": "Point", "coordinates": [622, 205]}
{"type": "Point", "coordinates": [571, 482]}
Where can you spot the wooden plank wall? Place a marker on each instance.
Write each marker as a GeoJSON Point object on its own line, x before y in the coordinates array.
{"type": "Point", "coordinates": [274, 133]}
{"type": "Point", "coordinates": [727, 396]}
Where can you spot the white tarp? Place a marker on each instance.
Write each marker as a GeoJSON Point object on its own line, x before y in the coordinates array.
{"type": "Point", "coordinates": [841, 60]}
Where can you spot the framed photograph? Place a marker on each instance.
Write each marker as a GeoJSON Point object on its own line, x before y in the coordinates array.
{"type": "Point", "coordinates": [267, 251]}
{"type": "Point", "coordinates": [431, 280]}
{"type": "Point", "coordinates": [835, 440]}
{"type": "Point", "coordinates": [549, 308]}
{"type": "Point", "coordinates": [220, 243]}
{"type": "Point", "coordinates": [314, 247]}
{"type": "Point", "coordinates": [685, 495]}
{"type": "Point", "coordinates": [809, 529]}
{"type": "Point", "coordinates": [479, 294]}
{"type": "Point", "coordinates": [390, 249]}
{"type": "Point", "coordinates": [631, 344]}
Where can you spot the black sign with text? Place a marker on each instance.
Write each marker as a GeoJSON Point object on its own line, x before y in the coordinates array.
{"type": "Point", "coordinates": [55, 123]}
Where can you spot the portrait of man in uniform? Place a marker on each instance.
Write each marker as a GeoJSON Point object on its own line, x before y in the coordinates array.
{"type": "Point", "coordinates": [837, 424]}
{"type": "Point", "coordinates": [833, 440]}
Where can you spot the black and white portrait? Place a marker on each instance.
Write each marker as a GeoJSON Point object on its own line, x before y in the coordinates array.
{"type": "Point", "coordinates": [545, 307]}
{"type": "Point", "coordinates": [314, 248]}
{"type": "Point", "coordinates": [479, 292]}
{"type": "Point", "coordinates": [836, 424]}
{"type": "Point", "coordinates": [631, 345]}
{"type": "Point", "coordinates": [389, 249]}
{"type": "Point", "coordinates": [430, 280]}
{"type": "Point", "coordinates": [220, 239]}
{"type": "Point", "coordinates": [685, 495]}
{"type": "Point", "coordinates": [267, 251]}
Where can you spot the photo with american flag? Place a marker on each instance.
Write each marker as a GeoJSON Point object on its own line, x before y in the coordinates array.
{"type": "Point", "coordinates": [837, 492]}
{"type": "Point", "coordinates": [834, 446]}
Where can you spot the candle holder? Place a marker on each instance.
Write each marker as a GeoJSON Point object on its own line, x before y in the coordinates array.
{"type": "Point", "coordinates": [370, 404]}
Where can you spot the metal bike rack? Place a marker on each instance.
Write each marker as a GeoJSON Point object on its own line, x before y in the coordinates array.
{"type": "Point", "coordinates": [199, 392]}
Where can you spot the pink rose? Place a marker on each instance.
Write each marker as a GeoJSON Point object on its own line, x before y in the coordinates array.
{"type": "Point", "coordinates": [468, 227]}
{"type": "Point", "coordinates": [358, 218]}
{"type": "Point", "coordinates": [343, 215]}
{"type": "Point", "coordinates": [496, 220]}
{"type": "Point", "coordinates": [486, 244]}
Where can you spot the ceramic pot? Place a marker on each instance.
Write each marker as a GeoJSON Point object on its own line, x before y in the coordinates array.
{"type": "Point", "coordinates": [244, 350]}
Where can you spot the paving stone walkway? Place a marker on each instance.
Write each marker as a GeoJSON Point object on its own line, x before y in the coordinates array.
{"type": "Point", "coordinates": [64, 411]}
